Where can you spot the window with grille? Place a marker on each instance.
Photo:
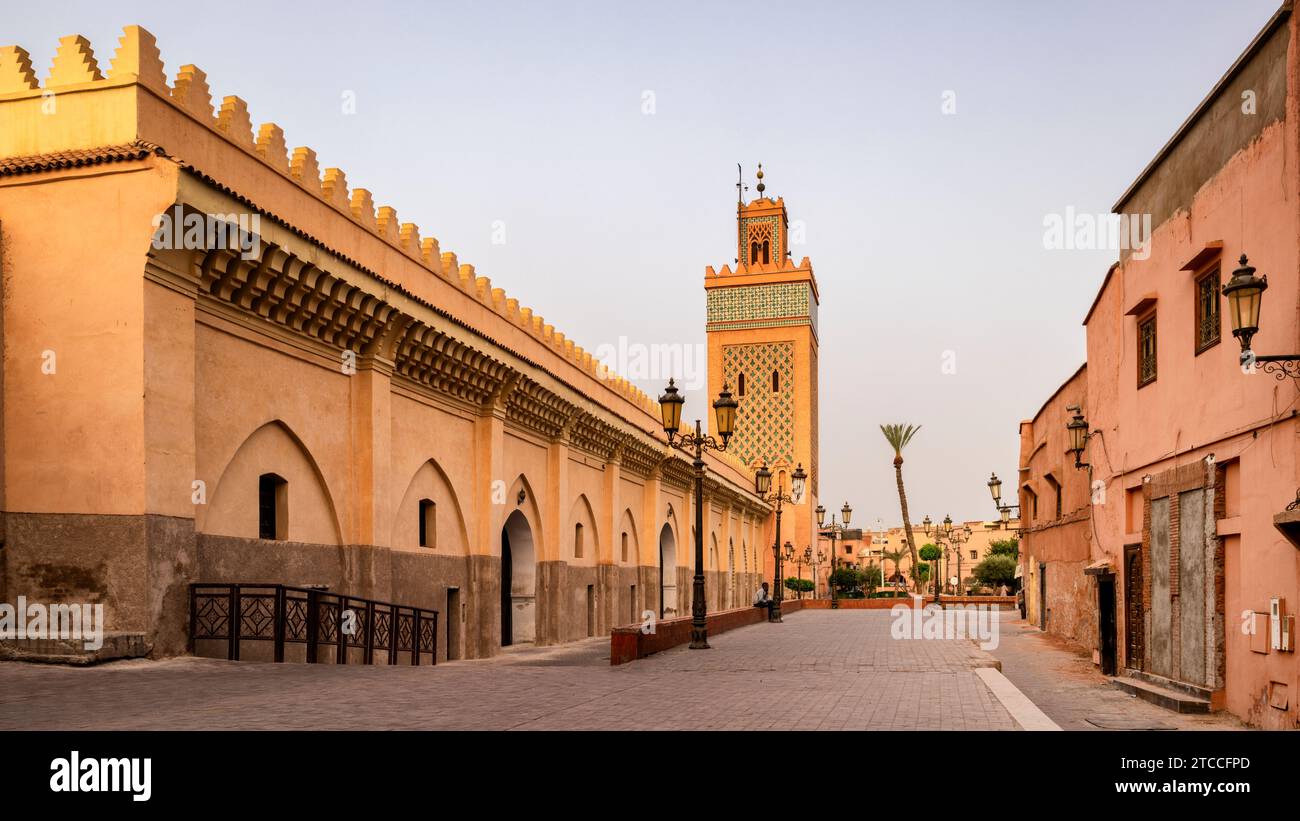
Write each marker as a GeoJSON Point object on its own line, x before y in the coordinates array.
{"type": "Point", "coordinates": [1147, 351]}
{"type": "Point", "coordinates": [1208, 323]}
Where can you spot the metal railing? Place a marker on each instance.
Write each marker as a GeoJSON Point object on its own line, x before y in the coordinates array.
{"type": "Point", "coordinates": [333, 622]}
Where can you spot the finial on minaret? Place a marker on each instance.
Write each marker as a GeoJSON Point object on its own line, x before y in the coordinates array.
{"type": "Point", "coordinates": [761, 186]}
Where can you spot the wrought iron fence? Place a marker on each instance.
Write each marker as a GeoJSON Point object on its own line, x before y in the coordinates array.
{"type": "Point", "coordinates": [332, 622]}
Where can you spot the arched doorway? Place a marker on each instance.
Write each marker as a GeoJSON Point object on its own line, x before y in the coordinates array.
{"type": "Point", "coordinates": [518, 582]}
{"type": "Point", "coordinates": [667, 573]}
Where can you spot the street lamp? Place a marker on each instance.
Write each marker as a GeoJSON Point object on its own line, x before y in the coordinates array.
{"type": "Point", "coordinates": [1078, 430]}
{"type": "Point", "coordinates": [762, 486]}
{"type": "Point", "coordinates": [1245, 292]}
{"type": "Point", "coordinates": [833, 531]}
{"type": "Point", "coordinates": [694, 445]}
{"type": "Point", "coordinates": [1004, 511]}
{"type": "Point", "coordinates": [943, 537]}
{"type": "Point", "coordinates": [959, 538]}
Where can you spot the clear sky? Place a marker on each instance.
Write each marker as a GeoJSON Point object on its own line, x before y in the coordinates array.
{"type": "Point", "coordinates": [925, 228]}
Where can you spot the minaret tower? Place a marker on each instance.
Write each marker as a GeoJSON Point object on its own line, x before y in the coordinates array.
{"type": "Point", "coordinates": [762, 332]}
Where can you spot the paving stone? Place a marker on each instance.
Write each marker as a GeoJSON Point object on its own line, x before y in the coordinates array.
{"type": "Point", "coordinates": [1069, 688]}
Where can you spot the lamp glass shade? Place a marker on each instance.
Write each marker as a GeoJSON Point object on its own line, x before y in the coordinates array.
{"type": "Point", "coordinates": [724, 410]}
{"type": "Point", "coordinates": [670, 408]}
{"type": "Point", "coordinates": [821, 516]}
{"type": "Point", "coordinates": [925, 524]}
{"type": "Point", "coordinates": [1245, 292]}
{"type": "Point", "coordinates": [1078, 428]}
{"type": "Point", "coordinates": [947, 525]}
{"type": "Point", "coordinates": [995, 487]}
{"type": "Point", "coordinates": [1006, 515]}
{"type": "Point", "coordinates": [797, 481]}
{"type": "Point", "coordinates": [847, 513]}
{"type": "Point", "coordinates": [763, 480]}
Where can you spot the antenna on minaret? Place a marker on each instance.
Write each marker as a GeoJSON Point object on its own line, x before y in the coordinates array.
{"type": "Point", "coordinates": [741, 188]}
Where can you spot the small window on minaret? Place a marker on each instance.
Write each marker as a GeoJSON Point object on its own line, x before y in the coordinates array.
{"type": "Point", "coordinates": [766, 252]}
{"type": "Point", "coordinates": [753, 253]}
{"type": "Point", "coordinates": [776, 381]}
{"type": "Point", "coordinates": [740, 385]}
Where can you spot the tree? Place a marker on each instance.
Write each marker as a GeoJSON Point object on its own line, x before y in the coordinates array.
{"type": "Point", "coordinates": [1005, 547]}
{"type": "Point", "coordinates": [895, 556]}
{"type": "Point", "coordinates": [996, 570]}
{"type": "Point", "coordinates": [932, 554]}
{"type": "Point", "coordinates": [847, 580]}
{"type": "Point", "coordinates": [898, 437]}
{"type": "Point", "coordinates": [872, 578]}
{"type": "Point", "coordinates": [798, 585]}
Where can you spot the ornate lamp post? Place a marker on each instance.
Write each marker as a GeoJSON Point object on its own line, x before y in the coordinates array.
{"type": "Point", "coordinates": [1245, 292]}
{"type": "Point", "coordinates": [943, 537]}
{"type": "Point", "coordinates": [694, 445]}
{"type": "Point", "coordinates": [763, 486]}
{"type": "Point", "coordinates": [959, 538]}
{"type": "Point", "coordinates": [1004, 511]}
{"type": "Point", "coordinates": [807, 559]}
{"type": "Point", "coordinates": [833, 532]}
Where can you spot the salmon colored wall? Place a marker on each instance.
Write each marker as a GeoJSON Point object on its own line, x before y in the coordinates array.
{"type": "Point", "coordinates": [1203, 404]}
{"type": "Point", "coordinates": [75, 439]}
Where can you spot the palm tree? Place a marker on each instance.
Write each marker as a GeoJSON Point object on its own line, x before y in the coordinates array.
{"type": "Point", "coordinates": [895, 556]}
{"type": "Point", "coordinates": [898, 436]}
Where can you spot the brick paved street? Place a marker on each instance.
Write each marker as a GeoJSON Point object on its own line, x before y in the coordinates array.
{"type": "Point", "coordinates": [819, 670]}
{"type": "Point", "coordinates": [1065, 685]}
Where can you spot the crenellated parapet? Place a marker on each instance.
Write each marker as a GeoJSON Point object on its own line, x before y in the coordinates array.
{"type": "Point", "coordinates": [137, 67]}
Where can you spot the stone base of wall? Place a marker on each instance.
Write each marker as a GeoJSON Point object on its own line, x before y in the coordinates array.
{"type": "Point", "coordinates": [137, 567]}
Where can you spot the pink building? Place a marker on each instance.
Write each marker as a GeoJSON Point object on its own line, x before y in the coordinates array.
{"type": "Point", "coordinates": [1191, 462]}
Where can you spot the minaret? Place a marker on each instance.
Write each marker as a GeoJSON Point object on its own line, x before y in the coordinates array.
{"type": "Point", "coordinates": [762, 332]}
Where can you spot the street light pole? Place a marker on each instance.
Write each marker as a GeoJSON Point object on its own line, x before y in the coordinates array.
{"type": "Point", "coordinates": [670, 408]}
{"type": "Point", "coordinates": [763, 484]}
{"type": "Point", "coordinates": [834, 532]}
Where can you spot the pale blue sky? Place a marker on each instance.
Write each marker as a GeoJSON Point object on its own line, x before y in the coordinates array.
{"type": "Point", "coordinates": [925, 229]}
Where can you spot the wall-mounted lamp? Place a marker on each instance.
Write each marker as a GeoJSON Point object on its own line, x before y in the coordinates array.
{"type": "Point", "coordinates": [1078, 430]}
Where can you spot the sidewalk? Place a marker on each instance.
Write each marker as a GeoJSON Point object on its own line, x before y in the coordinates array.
{"type": "Point", "coordinates": [1066, 685]}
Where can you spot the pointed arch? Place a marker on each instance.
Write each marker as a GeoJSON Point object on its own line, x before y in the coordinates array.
{"type": "Point", "coordinates": [667, 572]}
{"type": "Point", "coordinates": [273, 448]}
{"type": "Point", "coordinates": [582, 539]}
{"type": "Point", "coordinates": [430, 482]}
{"type": "Point", "coordinates": [628, 533]}
{"type": "Point", "coordinates": [530, 510]}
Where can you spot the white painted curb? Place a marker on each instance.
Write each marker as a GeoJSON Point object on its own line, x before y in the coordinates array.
{"type": "Point", "coordinates": [1022, 710]}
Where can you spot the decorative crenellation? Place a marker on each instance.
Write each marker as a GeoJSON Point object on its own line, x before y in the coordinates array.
{"type": "Point", "coordinates": [138, 60]}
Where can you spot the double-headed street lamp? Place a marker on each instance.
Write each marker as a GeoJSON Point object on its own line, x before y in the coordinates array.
{"type": "Point", "coordinates": [1004, 511]}
{"type": "Point", "coordinates": [763, 486]}
{"type": "Point", "coordinates": [959, 538]}
{"type": "Point", "coordinates": [942, 533]}
{"type": "Point", "coordinates": [833, 532]}
{"type": "Point", "coordinates": [694, 444]}
{"type": "Point", "coordinates": [799, 559]}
